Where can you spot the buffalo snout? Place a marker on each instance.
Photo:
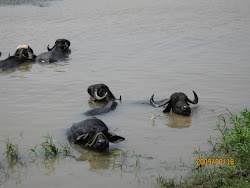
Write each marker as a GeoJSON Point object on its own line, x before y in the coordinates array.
{"type": "Point", "coordinates": [101, 145]}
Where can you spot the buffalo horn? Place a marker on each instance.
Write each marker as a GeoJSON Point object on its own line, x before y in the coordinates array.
{"type": "Point", "coordinates": [30, 54]}
{"type": "Point", "coordinates": [98, 97]}
{"type": "Point", "coordinates": [195, 101]}
{"type": "Point", "coordinates": [49, 49]}
{"type": "Point", "coordinates": [20, 53]}
{"type": "Point", "coordinates": [158, 105]}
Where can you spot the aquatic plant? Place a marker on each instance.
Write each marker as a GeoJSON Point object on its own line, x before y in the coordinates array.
{"type": "Point", "coordinates": [163, 182]}
{"type": "Point", "coordinates": [12, 151]}
{"type": "Point", "coordinates": [50, 148]}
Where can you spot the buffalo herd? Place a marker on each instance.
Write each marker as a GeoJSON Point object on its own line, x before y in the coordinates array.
{"type": "Point", "coordinates": [24, 53]}
{"type": "Point", "coordinates": [92, 132]}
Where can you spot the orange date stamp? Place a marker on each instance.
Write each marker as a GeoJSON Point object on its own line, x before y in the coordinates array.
{"type": "Point", "coordinates": [215, 162]}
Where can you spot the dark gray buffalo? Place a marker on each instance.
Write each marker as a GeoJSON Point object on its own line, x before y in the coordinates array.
{"type": "Point", "coordinates": [23, 53]}
{"type": "Point", "coordinates": [57, 53]}
{"type": "Point", "coordinates": [101, 93]}
{"type": "Point", "coordinates": [178, 103]}
{"type": "Point", "coordinates": [92, 133]}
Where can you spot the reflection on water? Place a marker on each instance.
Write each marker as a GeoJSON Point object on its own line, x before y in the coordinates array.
{"type": "Point", "coordinates": [100, 160]}
{"type": "Point", "coordinates": [172, 120]}
{"type": "Point", "coordinates": [15, 170]}
{"type": "Point", "coordinates": [25, 67]}
{"type": "Point", "coordinates": [96, 160]}
{"type": "Point", "coordinates": [95, 104]}
{"type": "Point", "coordinates": [49, 164]}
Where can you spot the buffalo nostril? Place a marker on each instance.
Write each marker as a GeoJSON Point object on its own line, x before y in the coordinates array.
{"type": "Point", "coordinates": [104, 142]}
{"type": "Point", "coordinates": [98, 141]}
{"type": "Point", "coordinates": [101, 142]}
{"type": "Point", "coordinates": [186, 108]}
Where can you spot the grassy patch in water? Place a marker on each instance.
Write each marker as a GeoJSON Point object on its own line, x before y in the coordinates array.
{"type": "Point", "coordinates": [12, 150]}
{"type": "Point", "coordinates": [14, 163]}
{"type": "Point", "coordinates": [228, 165]}
{"type": "Point", "coordinates": [50, 148]}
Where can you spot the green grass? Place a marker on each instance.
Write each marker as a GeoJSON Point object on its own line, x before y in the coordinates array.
{"type": "Point", "coordinates": [50, 148]}
{"type": "Point", "coordinates": [234, 144]}
{"type": "Point", "coordinates": [12, 151]}
{"type": "Point", "coordinates": [162, 182]}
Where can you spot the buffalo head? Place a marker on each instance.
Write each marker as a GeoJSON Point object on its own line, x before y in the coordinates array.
{"type": "Point", "coordinates": [92, 133]}
{"type": "Point", "coordinates": [98, 141]}
{"type": "Point", "coordinates": [178, 103]}
{"type": "Point", "coordinates": [101, 92]}
{"type": "Point", "coordinates": [25, 51]}
{"type": "Point", "coordinates": [62, 43]}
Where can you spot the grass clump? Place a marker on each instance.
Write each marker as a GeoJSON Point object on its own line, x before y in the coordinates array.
{"type": "Point", "coordinates": [12, 151]}
{"type": "Point", "coordinates": [50, 148]}
{"type": "Point", "coordinates": [162, 182]}
{"type": "Point", "coordinates": [228, 164]}
{"type": "Point", "coordinates": [235, 141]}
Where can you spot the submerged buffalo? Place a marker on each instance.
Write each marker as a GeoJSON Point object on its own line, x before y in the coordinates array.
{"type": "Point", "coordinates": [57, 53]}
{"type": "Point", "coordinates": [178, 103]}
{"type": "Point", "coordinates": [92, 133]}
{"type": "Point", "coordinates": [101, 92]}
{"type": "Point", "coordinates": [23, 53]}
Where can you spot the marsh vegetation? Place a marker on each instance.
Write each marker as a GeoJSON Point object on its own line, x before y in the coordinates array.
{"type": "Point", "coordinates": [228, 162]}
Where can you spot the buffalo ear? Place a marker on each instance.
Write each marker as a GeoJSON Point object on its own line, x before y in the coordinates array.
{"type": "Point", "coordinates": [112, 137]}
{"type": "Point", "coordinates": [81, 138]}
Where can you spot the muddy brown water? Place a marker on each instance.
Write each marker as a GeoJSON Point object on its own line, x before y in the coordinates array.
{"type": "Point", "coordinates": [138, 48]}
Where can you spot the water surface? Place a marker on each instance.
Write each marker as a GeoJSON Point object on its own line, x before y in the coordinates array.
{"type": "Point", "coordinates": [138, 48]}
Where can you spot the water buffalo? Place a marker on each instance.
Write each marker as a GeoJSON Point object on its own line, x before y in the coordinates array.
{"type": "Point", "coordinates": [57, 53]}
{"type": "Point", "coordinates": [22, 54]}
{"type": "Point", "coordinates": [92, 133]}
{"type": "Point", "coordinates": [178, 103]}
{"type": "Point", "coordinates": [101, 92]}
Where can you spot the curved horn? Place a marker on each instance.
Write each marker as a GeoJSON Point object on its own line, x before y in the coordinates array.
{"type": "Point", "coordinates": [20, 53]}
{"type": "Point", "coordinates": [30, 53]}
{"type": "Point", "coordinates": [20, 50]}
{"type": "Point", "coordinates": [15, 54]}
{"type": "Point", "coordinates": [98, 97]}
{"type": "Point", "coordinates": [195, 101]}
{"type": "Point", "coordinates": [49, 49]}
{"type": "Point", "coordinates": [158, 105]}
